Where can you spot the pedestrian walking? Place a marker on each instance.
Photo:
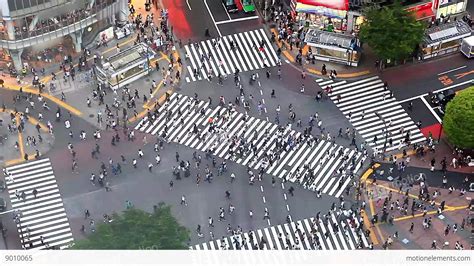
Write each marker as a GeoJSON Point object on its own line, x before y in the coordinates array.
{"type": "Point", "coordinates": [183, 201]}
{"type": "Point", "coordinates": [266, 215]}
{"type": "Point", "coordinates": [211, 222]}
{"type": "Point", "coordinates": [171, 184]}
{"type": "Point", "coordinates": [107, 187]}
{"type": "Point", "coordinates": [291, 191]}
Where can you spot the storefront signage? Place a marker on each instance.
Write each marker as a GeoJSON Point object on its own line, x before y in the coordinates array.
{"type": "Point", "coordinates": [329, 8]}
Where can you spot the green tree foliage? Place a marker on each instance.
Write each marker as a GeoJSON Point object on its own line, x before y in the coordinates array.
{"type": "Point", "coordinates": [391, 31]}
{"type": "Point", "coordinates": [137, 229]}
{"type": "Point", "coordinates": [458, 121]}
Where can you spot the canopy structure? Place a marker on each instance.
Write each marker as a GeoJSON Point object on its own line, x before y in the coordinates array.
{"type": "Point", "coordinates": [329, 8]}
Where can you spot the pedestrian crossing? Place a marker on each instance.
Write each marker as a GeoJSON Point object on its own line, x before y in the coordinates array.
{"type": "Point", "coordinates": [40, 215]}
{"type": "Point", "coordinates": [374, 113]}
{"type": "Point", "coordinates": [245, 51]}
{"type": "Point", "coordinates": [331, 233]}
{"type": "Point", "coordinates": [316, 164]}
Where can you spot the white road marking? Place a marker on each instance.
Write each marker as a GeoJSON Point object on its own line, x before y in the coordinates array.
{"type": "Point", "coordinates": [235, 20]}
{"type": "Point", "coordinates": [225, 12]}
{"type": "Point", "coordinates": [189, 6]}
{"type": "Point", "coordinates": [451, 70]}
{"type": "Point", "coordinates": [431, 109]}
{"type": "Point", "coordinates": [212, 17]}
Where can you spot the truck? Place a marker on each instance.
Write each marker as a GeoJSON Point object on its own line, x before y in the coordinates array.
{"type": "Point", "coordinates": [467, 47]}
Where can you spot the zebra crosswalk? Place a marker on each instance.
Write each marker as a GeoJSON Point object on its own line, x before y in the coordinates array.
{"type": "Point", "coordinates": [40, 215]}
{"type": "Point", "coordinates": [283, 152]}
{"type": "Point", "coordinates": [374, 112]}
{"type": "Point", "coordinates": [331, 233]}
{"type": "Point", "coordinates": [244, 51]}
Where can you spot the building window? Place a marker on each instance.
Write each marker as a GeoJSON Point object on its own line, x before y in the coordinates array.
{"type": "Point", "coordinates": [16, 5]}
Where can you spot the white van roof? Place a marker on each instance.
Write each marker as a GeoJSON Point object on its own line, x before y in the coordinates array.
{"type": "Point", "coordinates": [469, 40]}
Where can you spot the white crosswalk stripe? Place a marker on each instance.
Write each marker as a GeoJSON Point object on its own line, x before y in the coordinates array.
{"type": "Point", "coordinates": [375, 114]}
{"type": "Point", "coordinates": [42, 221]}
{"type": "Point", "coordinates": [316, 165]}
{"type": "Point", "coordinates": [216, 56]}
{"type": "Point", "coordinates": [333, 233]}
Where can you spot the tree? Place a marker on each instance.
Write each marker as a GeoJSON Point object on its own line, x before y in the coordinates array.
{"type": "Point", "coordinates": [137, 229]}
{"type": "Point", "coordinates": [391, 31]}
{"type": "Point", "coordinates": [458, 121]}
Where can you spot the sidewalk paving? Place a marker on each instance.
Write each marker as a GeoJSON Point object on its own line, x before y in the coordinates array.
{"type": "Point", "coordinates": [75, 89]}
{"type": "Point", "coordinates": [10, 155]}
{"type": "Point", "coordinates": [366, 65]}
{"type": "Point", "coordinates": [421, 238]}
{"type": "Point", "coordinates": [442, 149]}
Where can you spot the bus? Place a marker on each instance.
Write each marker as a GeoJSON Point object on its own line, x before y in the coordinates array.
{"type": "Point", "coordinates": [467, 47]}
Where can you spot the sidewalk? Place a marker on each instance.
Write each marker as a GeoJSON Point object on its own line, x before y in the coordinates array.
{"type": "Point", "coordinates": [26, 145]}
{"type": "Point", "coordinates": [75, 89]}
{"type": "Point", "coordinates": [366, 65]}
{"type": "Point", "coordinates": [442, 150]}
{"type": "Point", "coordinates": [456, 209]}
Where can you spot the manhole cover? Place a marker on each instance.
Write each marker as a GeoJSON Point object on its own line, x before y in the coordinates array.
{"type": "Point", "coordinates": [91, 115]}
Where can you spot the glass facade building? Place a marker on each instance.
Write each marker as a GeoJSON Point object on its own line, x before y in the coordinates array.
{"type": "Point", "coordinates": [26, 23]}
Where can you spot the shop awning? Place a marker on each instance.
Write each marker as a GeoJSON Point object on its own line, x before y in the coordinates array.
{"type": "Point", "coordinates": [329, 8]}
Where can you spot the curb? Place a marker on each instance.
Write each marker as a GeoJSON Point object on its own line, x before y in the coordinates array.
{"type": "Point", "coordinates": [292, 60]}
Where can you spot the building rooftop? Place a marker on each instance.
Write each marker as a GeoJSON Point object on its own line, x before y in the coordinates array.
{"type": "Point", "coordinates": [447, 31]}
{"type": "Point", "coordinates": [126, 58]}
{"type": "Point", "coordinates": [330, 38]}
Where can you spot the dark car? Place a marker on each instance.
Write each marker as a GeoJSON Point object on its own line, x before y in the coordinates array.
{"type": "Point", "coordinates": [230, 5]}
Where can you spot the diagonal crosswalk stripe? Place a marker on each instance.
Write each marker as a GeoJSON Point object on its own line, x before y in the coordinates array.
{"type": "Point", "coordinates": [372, 110]}
{"type": "Point", "coordinates": [41, 219]}
{"type": "Point", "coordinates": [263, 146]}
{"type": "Point", "coordinates": [336, 232]}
